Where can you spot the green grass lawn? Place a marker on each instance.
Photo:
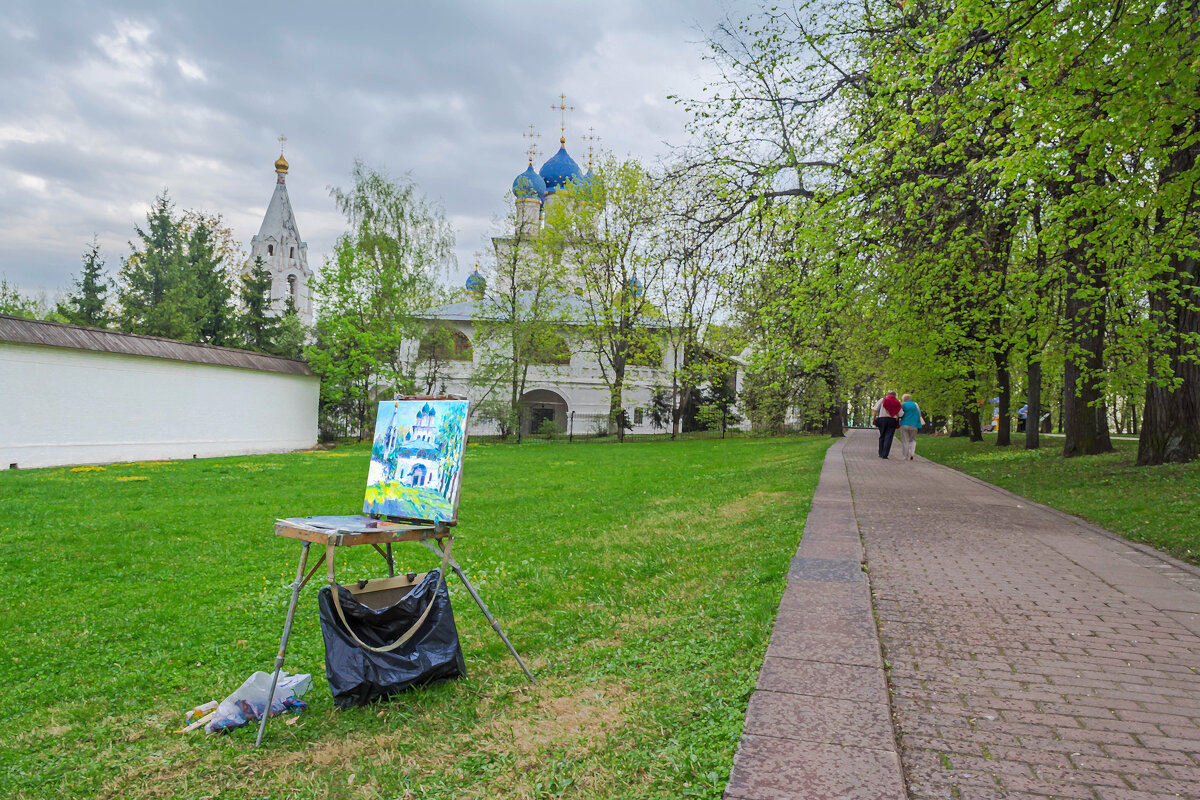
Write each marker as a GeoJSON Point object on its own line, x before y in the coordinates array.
{"type": "Point", "coordinates": [1156, 505]}
{"type": "Point", "coordinates": [639, 582]}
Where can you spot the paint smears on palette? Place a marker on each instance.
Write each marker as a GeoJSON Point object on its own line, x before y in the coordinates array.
{"type": "Point", "coordinates": [416, 460]}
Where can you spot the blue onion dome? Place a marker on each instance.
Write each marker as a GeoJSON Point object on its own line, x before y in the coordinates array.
{"type": "Point", "coordinates": [636, 288]}
{"type": "Point", "coordinates": [561, 169]}
{"type": "Point", "coordinates": [529, 185]}
{"type": "Point", "coordinates": [476, 284]}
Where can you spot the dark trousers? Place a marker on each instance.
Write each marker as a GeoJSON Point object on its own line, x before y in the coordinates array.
{"type": "Point", "coordinates": [887, 431]}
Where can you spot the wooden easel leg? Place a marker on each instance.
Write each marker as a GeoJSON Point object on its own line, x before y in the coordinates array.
{"type": "Point", "coordinates": [482, 607]}
{"type": "Point", "coordinates": [287, 630]}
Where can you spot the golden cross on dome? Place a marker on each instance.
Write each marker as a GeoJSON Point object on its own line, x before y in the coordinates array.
{"type": "Point", "coordinates": [562, 108]}
{"type": "Point", "coordinates": [591, 139]}
{"type": "Point", "coordinates": [282, 142]}
{"type": "Point", "coordinates": [532, 150]}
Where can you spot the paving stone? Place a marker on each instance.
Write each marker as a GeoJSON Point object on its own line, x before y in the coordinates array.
{"type": "Point", "coordinates": [827, 570]}
{"type": "Point", "coordinates": [841, 621]}
{"type": "Point", "coordinates": [842, 549]}
{"type": "Point", "coordinates": [824, 679]}
{"type": "Point", "coordinates": [1046, 642]}
{"type": "Point", "coordinates": [768, 768]}
{"type": "Point", "coordinates": [1029, 654]}
{"type": "Point", "coordinates": [820, 719]}
{"type": "Point", "coordinates": [836, 648]}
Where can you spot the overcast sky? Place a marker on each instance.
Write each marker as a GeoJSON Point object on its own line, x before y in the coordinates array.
{"type": "Point", "coordinates": [103, 105]}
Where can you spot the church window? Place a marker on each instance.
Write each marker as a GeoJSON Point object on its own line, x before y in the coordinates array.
{"type": "Point", "coordinates": [551, 349]}
{"type": "Point", "coordinates": [444, 344]}
{"type": "Point", "coordinates": [291, 252]}
{"type": "Point", "coordinates": [637, 416]}
{"type": "Point", "coordinates": [645, 353]}
{"type": "Point", "coordinates": [270, 249]}
{"type": "Point", "coordinates": [292, 287]}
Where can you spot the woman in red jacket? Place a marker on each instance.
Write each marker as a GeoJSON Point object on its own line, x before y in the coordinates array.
{"type": "Point", "coordinates": [886, 415]}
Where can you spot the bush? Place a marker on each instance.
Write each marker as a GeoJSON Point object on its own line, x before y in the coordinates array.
{"type": "Point", "coordinates": [548, 428]}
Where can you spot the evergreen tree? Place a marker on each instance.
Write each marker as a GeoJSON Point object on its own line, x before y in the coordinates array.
{"type": "Point", "coordinates": [215, 323]}
{"type": "Point", "coordinates": [86, 305]}
{"type": "Point", "coordinates": [158, 292]}
{"type": "Point", "coordinates": [289, 341]}
{"type": "Point", "coordinates": [258, 328]}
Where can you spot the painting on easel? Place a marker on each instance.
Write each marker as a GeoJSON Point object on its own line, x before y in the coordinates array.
{"type": "Point", "coordinates": [416, 460]}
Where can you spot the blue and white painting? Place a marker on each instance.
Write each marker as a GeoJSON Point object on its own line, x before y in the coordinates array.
{"type": "Point", "coordinates": [416, 459]}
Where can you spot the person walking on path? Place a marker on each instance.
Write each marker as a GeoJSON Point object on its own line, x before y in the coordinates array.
{"type": "Point", "coordinates": [885, 416]}
{"type": "Point", "coordinates": [910, 423]}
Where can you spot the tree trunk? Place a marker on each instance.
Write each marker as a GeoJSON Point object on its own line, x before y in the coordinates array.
{"type": "Point", "coordinates": [835, 424]}
{"type": "Point", "coordinates": [1084, 420]}
{"type": "Point", "coordinates": [1004, 379]}
{"type": "Point", "coordinates": [1033, 416]}
{"type": "Point", "coordinates": [975, 426]}
{"type": "Point", "coordinates": [1171, 418]}
{"type": "Point", "coordinates": [1171, 421]}
{"type": "Point", "coordinates": [614, 400]}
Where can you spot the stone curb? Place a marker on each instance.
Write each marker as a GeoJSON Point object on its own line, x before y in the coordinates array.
{"type": "Point", "coordinates": [819, 723]}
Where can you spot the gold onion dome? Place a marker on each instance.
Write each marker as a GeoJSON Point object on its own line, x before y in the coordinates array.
{"type": "Point", "coordinates": [281, 165]}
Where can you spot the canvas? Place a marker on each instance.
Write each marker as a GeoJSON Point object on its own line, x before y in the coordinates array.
{"type": "Point", "coordinates": [416, 460]}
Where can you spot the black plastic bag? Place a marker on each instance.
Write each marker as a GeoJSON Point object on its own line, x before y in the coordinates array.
{"type": "Point", "coordinates": [358, 676]}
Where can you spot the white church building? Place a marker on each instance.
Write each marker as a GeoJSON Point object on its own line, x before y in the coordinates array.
{"type": "Point", "coordinates": [569, 389]}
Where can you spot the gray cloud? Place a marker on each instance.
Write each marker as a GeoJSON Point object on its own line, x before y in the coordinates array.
{"type": "Point", "coordinates": [103, 107]}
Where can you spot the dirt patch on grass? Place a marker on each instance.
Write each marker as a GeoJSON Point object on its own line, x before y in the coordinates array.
{"type": "Point", "coordinates": [734, 511]}
{"type": "Point", "coordinates": [750, 504]}
{"type": "Point", "coordinates": [522, 728]}
{"type": "Point", "coordinates": [543, 719]}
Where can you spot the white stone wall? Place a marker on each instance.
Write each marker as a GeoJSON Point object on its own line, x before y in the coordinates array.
{"type": "Point", "coordinates": [61, 406]}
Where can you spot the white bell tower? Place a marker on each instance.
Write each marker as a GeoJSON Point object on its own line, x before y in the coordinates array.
{"type": "Point", "coordinates": [283, 254]}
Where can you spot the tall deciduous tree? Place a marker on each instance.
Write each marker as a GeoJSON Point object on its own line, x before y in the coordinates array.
{"type": "Point", "coordinates": [383, 269]}
{"type": "Point", "coordinates": [699, 275]}
{"type": "Point", "coordinates": [1021, 177]}
{"type": "Point", "coordinates": [610, 232]}
{"type": "Point", "coordinates": [519, 319]}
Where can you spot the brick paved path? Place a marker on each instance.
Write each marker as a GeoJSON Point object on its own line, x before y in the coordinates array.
{"type": "Point", "coordinates": [1030, 655]}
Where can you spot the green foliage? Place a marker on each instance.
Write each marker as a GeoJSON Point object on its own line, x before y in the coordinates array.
{"type": "Point", "coordinates": [548, 428]}
{"type": "Point", "coordinates": [14, 303]}
{"type": "Point", "coordinates": [206, 256]}
{"type": "Point", "coordinates": [947, 193]}
{"type": "Point", "coordinates": [158, 294]}
{"type": "Point", "coordinates": [660, 408]}
{"type": "Point", "coordinates": [382, 270]}
{"type": "Point", "coordinates": [520, 319]}
{"type": "Point", "coordinates": [258, 327]}
{"type": "Point", "coordinates": [88, 303]}
{"type": "Point", "coordinates": [611, 238]}
{"type": "Point", "coordinates": [184, 592]}
{"type": "Point", "coordinates": [291, 335]}
{"type": "Point", "coordinates": [175, 282]}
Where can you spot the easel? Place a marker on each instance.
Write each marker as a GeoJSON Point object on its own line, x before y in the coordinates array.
{"type": "Point", "coordinates": [334, 532]}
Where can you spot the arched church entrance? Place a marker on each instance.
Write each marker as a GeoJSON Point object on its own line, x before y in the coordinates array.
{"type": "Point", "coordinates": [540, 405]}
